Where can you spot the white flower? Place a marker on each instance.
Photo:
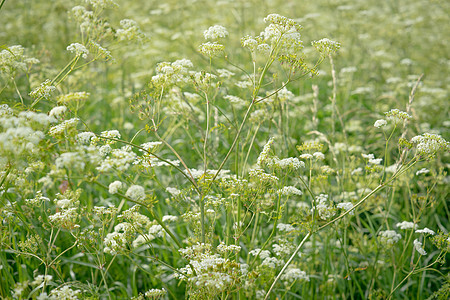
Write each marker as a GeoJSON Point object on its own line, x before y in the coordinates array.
{"type": "Point", "coordinates": [419, 248]}
{"type": "Point", "coordinates": [389, 237]}
{"type": "Point", "coordinates": [380, 123]}
{"type": "Point", "coordinates": [346, 206]}
{"type": "Point", "coordinates": [319, 155]}
{"type": "Point", "coordinates": [289, 190]}
{"type": "Point", "coordinates": [215, 32]}
{"type": "Point", "coordinates": [406, 225]}
{"type": "Point", "coordinates": [57, 111]}
{"type": "Point", "coordinates": [78, 49]}
{"type": "Point", "coordinates": [426, 231]}
{"type": "Point", "coordinates": [135, 192]}
{"type": "Point", "coordinates": [115, 186]}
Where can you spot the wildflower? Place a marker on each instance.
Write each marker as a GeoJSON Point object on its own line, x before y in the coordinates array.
{"type": "Point", "coordinates": [129, 31]}
{"type": "Point", "coordinates": [43, 90]}
{"type": "Point", "coordinates": [211, 49]}
{"type": "Point", "coordinates": [285, 227]}
{"type": "Point", "coordinates": [135, 192]}
{"type": "Point", "coordinates": [41, 279]}
{"type": "Point", "coordinates": [78, 49]}
{"type": "Point", "coordinates": [222, 248]}
{"type": "Point", "coordinates": [293, 274]}
{"type": "Point", "coordinates": [319, 155]}
{"type": "Point", "coordinates": [380, 123]}
{"type": "Point", "coordinates": [155, 293]}
{"type": "Point", "coordinates": [429, 144]}
{"type": "Point", "coordinates": [397, 115]}
{"type": "Point", "coordinates": [426, 231]}
{"type": "Point", "coordinates": [346, 206]}
{"type": "Point", "coordinates": [306, 156]}
{"type": "Point", "coordinates": [290, 162]}
{"type": "Point", "coordinates": [419, 248]}
{"type": "Point", "coordinates": [64, 293]}
{"type": "Point", "coordinates": [406, 225]}
{"type": "Point", "coordinates": [289, 190]}
{"type": "Point", "coordinates": [325, 210]}
{"type": "Point", "coordinates": [59, 129]}
{"type": "Point", "coordinates": [326, 46]}
{"type": "Point", "coordinates": [169, 218]}
{"type": "Point", "coordinates": [215, 32]}
{"type": "Point", "coordinates": [115, 186]}
{"type": "Point", "coordinates": [71, 97]}
{"type": "Point", "coordinates": [389, 237]}
{"type": "Point", "coordinates": [265, 153]}
{"type": "Point", "coordinates": [57, 111]}
{"type": "Point", "coordinates": [263, 254]}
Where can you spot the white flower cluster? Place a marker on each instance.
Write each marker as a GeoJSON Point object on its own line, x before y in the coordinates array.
{"type": "Point", "coordinates": [389, 237]}
{"type": "Point", "coordinates": [222, 248]}
{"type": "Point", "coordinates": [289, 190]}
{"type": "Point", "coordinates": [286, 163]}
{"type": "Point", "coordinates": [70, 160]}
{"type": "Point", "coordinates": [155, 293]}
{"type": "Point", "coordinates": [71, 97]}
{"type": "Point", "coordinates": [116, 241]}
{"type": "Point", "coordinates": [64, 292]}
{"type": "Point", "coordinates": [213, 273]}
{"type": "Point", "coordinates": [129, 31]}
{"type": "Point", "coordinates": [66, 218]}
{"type": "Point", "coordinates": [115, 186]}
{"type": "Point", "coordinates": [380, 123]}
{"type": "Point", "coordinates": [120, 159]}
{"type": "Point", "coordinates": [419, 248]}
{"type": "Point", "coordinates": [326, 46]}
{"type": "Point", "coordinates": [397, 116]}
{"type": "Point", "coordinates": [39, 279]}
{"type": "Point", "coordinates": [169, 218]}
{"type": "Point", "coordinates": [263, 254]}
{"type": "Point", "coordinates": [346, 206]}
{"type": "Point", "coordinates": [371, 159]}
{"type": "Point", "coordinates": [324, 209]}
{"type": "Point", "coordinates": [22, 133]}
{"type": "Point", "coordinates": [255, 44]}
{"type": "Point", "coordinates": [272, 262]}
{"type": "Point", "coordinates": [60, 129]}
{"type": "Point", "coordinates": [285, 227]}
{"type": "Point", "coordinates": [135, 192]}
{"type": "Point", "coordinates": [429, 144]}
{"type": "Point", "coordinates": [43, 90]}
{"type": "Point", "coordinates": [264, 155]}
{"type": "Point", "coordinates": [283, 33]}
{"type": "Point", "coordinates": [12, 59]}
{"type": "Point", "coordinates": [283, 248]}
{"type": "Point", "coordinates": [425, 231]}
{"type": "Point", "coordinates": [57, 111]}
{"type": "Point", "coordinates": [263, 177]}
{"type": "Point", "coordinates": [406, 225]}
{"type": "Point", "coordinates": [293, 274]}
{"type": "Point", "coordinates": [215, 32]}
{"type": "Point", "coordinates": [78, 49]}
{"type": "Point", "coordinates": [176, 72]}
{"type": "Point", "coordinates": [211, 49]}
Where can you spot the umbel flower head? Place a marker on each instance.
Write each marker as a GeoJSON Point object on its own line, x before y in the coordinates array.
{"type": "Point", "coordinates": [429, 144]}
{"type": "Point", "coordinates": [326, 46]}
{"type": "Point", "coordinates": [215, 32]}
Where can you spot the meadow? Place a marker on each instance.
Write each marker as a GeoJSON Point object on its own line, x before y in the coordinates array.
{"type": "Point", "coordinates": [227, 149]}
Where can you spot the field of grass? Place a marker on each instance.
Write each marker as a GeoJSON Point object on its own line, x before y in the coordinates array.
{"type": "Point", "coordinates": [224, 149]}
